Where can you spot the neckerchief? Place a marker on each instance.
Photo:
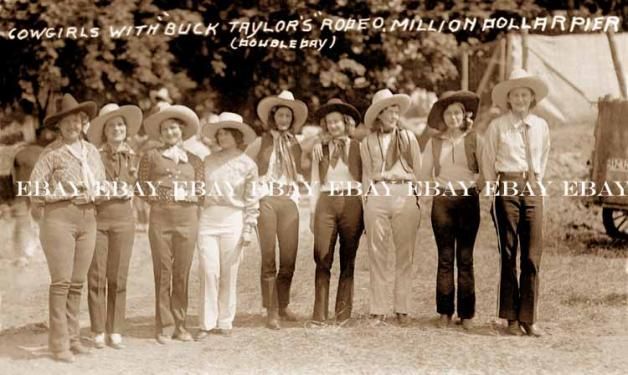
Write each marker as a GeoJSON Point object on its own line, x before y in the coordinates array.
{"type": "Point", "coordinates": [176, 154]}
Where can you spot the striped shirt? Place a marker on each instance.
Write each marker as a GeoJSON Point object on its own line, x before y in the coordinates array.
{"type": "Point", "coordinates": [60, 165]}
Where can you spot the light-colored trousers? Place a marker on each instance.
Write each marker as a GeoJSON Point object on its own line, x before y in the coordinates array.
{"type": "Point", "coordinates": [220, 230]}
{"type": "Point", "coordinates": [396, 215]}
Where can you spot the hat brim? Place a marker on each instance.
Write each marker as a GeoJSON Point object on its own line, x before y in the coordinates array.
{"type": "Point", "coordinates": [211, 129]}
{"type": "Point", "coordinates": [132, 117]}
{"type": "Point", "coordinates": [344, 108]}
{"type": "Point", "coordinates": [469, 100]}
{"type": "Point", "coordinates": [299, 111]}
{"type": "Point", "coordinates": [402, 100]}
{"type": "Point", "coordinates": [179, 112]}
{"type": "Point", "coordinates": [88, 107]}
{"type": "Point", "coordinates": [501, 90]}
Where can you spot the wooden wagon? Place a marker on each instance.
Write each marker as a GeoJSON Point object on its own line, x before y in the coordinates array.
{"type": "Point", "coordinates": [610, 164]}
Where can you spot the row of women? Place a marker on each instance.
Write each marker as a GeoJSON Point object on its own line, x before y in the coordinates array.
{"type": "Point", "coordinates": [88, 236]}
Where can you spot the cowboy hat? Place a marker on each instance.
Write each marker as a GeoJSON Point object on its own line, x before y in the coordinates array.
{"type": "Point", "coordinates": [131, 114]}
{"type": "Point", "coordinates": [469, 100]}
{"type": "Point", "coordinates": [68, 105]}
{"type": "Point", "coordinates": [337, 105]}
{"type": "Point", "coordinates": [284, 99]}
{"type": "Point", "coordinates": [518, 78]}
{"type": "Point", "coordinates": [229, 120]}
{"type": "Point", "coordinates": [166, 111]}
{"type": "Point", "coordinates": [382, 99]}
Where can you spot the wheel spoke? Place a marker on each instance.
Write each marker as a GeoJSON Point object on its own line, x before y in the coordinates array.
{"type": "Point", "coordinates": [621, 223]}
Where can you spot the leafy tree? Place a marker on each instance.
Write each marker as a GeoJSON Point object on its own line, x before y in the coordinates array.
{"type": "Point", "coordinates": [204, 72]}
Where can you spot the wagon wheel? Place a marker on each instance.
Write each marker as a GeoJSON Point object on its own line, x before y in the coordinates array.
{"type": "Point", "coordinates": [615, 222]}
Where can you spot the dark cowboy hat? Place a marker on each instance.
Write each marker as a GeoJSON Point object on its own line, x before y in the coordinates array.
{"type": "Point", "coordinates": [337, 105]}
{"type": "Point", "coordinates": [469, 100]}
{"type": "Point", "coordinates": [68, 105]}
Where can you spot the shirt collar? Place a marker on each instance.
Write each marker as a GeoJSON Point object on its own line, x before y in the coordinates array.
{"type": "Point", "coordinates": [516, 122]}
{"type": "Point", "coordinates": [444, 137]}
{"type": "Point", "coordinates": [277, 134]}
{"type": "Point", "coordinates": [123, 147]}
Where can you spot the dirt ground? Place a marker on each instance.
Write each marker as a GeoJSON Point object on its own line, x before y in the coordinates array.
{"type": "Point", "coordinates": [583, 309]}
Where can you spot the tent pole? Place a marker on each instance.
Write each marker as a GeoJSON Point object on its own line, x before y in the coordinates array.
{"type": "Point", "coordinates": [508, 54]}
{"type": "Point", "coordinates": [464, 83]}
{"type": "Point", "coordinates": [524, 49]}
{"type": "Point", "coordinates": [488, 72]}
{"type": "Point", "coordinates": [617, 64]}
{"type": "Point", "coordinates": [502, 59]}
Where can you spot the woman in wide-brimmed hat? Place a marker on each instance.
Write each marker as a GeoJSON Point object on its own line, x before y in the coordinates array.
{"type": "Point", "coordinates": [73, 169]}
{"type": "Point", "coordinates": [336, 207]}
{"type": "Point", "coordinates": [168, 176]}
{"type": "Point", "coordinates": [227, 221]}
{"type": "Point", "coordinates": [391, 159]}
{"type": "Point", "coordinates": [515, 150]}
{"type": "Point", "coordinates": [278, 156]}
{"type": "Point", "coordinates": [108, 272]}
{"type": "Point", "coordinates": [450, 159]}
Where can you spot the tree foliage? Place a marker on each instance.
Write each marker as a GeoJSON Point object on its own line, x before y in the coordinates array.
{"type": "Point", "coordinates": [204, 72]}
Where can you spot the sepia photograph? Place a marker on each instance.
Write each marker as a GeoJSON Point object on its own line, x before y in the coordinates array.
{"type": "Point", "coordinates": [313, 186]}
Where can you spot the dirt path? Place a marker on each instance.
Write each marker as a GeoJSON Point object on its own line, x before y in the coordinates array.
{"type": "Point", "coordinates": [583, 310]}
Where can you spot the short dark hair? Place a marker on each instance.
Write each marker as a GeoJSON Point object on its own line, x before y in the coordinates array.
{"type": "Point", "coordinates": [271, 117]}
{"type": "Point", "coordinates": [349, 121]}
{"type": "Point", "coordinates": [237, 135]}
{"type": "Point", "coordinates": [467, 121]}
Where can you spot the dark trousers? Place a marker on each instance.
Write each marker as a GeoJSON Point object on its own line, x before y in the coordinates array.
{"type": "Point", "coordinates": [68, 236]}
{"type": "Point", "coordinates": [336, 217]}
{"type": "Point", "coordinates": [455, 221]}
{"type": "Point", "coordinates": [519, 223]}
{"type": "Point", "coordinates": [106, 280]}
{"type": "Point", "coordinates": [172, 233]}
{"type": "Point", "coordinates": [278, 222]}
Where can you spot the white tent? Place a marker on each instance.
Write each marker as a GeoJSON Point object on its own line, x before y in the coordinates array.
{"type": "Point", "coordinates": [578, 69]}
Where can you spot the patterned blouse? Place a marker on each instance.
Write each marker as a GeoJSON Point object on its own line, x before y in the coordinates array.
{"type": "Point", "coordinates": [174, 181]}
{"type": "Point", "coordinates": [61, 166]}
{"type": "Point", "coordinates": [230, 181]}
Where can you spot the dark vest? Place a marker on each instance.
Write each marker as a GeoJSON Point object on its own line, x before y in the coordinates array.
{"type": "Point", "coordinates": [470, 151]}
{"type": "Point", "coordinates": [405, 156]}
{"type": "Point", "coordinates": [266, 149]}
{"type": "Point", "coordinates": [354, 162]}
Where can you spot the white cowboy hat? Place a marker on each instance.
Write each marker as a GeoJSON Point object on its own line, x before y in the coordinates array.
{"type": "Point", "coordinates": [166, 111]}
{"type": "Point", "coordinates": [68, 105]}
{"type": "Point", "coordinates": [285, 99]}
{"type": "Point", "coordinates": [518, 78]}
{"type": "Point", "coordinates": [382, 99]}
{"type": "Point", "coordinates": [229, 120]}
{"type": "Point", "coordinates": [132, 117]}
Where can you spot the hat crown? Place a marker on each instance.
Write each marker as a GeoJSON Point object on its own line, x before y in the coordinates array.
{"type": "Point", "coordinates": [286, 95]}
{"type": "Point", "coordinates": [230, 116]}
{"type": "Point", "coordinates": [162, 106]}
{"type": "Point", "coordinates": [335, 101]}
{"type": "Point", "coordinates": [519, 73]}
{"type": "Point", "coordinates": [213, 118]}
{"type": "Point", "coordinates": [381, 95]}
{"type": "Point", "coordinates": [108, 108]}
{"type": "Point", "coordinates": [66, 103]}
{"type": "Point", "coordinates": [448, 94]}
